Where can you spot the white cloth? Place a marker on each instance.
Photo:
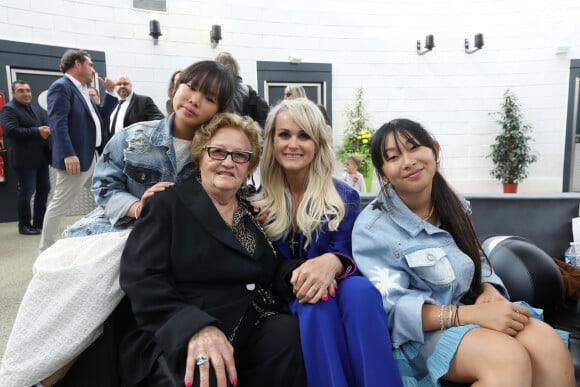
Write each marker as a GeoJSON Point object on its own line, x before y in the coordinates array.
{"type": "Point", "coordinates": [74, 288]}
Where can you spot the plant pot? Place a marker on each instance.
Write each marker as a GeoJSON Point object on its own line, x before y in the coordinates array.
{"type": "Point", "coordinates": [510, 187]}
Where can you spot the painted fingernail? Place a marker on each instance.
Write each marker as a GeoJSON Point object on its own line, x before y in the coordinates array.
{"type": "Point", "coordinates": [336, 286]}
{"type": "Point", "coordinates": [325, 298]}
{"type": "Point", "coordinates": [235, 382]}
{"type": "Point", "coordinates": [187, 384]}
{"type": "Point", "coordinates": [333, 294]}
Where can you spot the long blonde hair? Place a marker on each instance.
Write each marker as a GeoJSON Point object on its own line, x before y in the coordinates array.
{"type": "Point", "coordinates": [320, 202]}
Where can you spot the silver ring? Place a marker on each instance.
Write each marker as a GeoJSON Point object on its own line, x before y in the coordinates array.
{"type": "Point", "coordinates": [201, 359]}
{"type": "Point", "coordinates": [313, 289]}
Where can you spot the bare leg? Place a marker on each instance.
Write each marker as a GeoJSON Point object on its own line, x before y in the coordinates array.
{"type": "Point", "coordinates": [551, 361]}
{"type": "Point", "coordinates": [58, 375]}
{"type": "Point", "coordinates": [489, 358]}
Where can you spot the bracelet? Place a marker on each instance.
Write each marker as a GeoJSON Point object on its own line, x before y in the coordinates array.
{"type": "Point", "coordinates": [457, 322]}
{"type": "Point", "coordinates": [449, 316]}
{"type": "Point", "coordinates": [138, 210]}
{"type": "Point", "coordinates": [441, 317]}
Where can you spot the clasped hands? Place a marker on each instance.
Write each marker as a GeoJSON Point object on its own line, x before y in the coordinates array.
{"type": "Point", "coordinates": [315, 279]}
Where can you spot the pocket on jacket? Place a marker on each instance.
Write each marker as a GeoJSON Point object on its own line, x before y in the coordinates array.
{"type": "Point", "coordinates": [142, 175]}
{"type": "Point", "coordinates": [432, 265]}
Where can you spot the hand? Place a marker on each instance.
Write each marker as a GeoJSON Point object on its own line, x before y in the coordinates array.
{"type": "Point", "coordinates": [44, 131]}
{"type": "Point", "coordinates": [489, 294]}
{"type": "Point", "coordinates": [135, 209]}
{"type": "Point", "coordinates": [73, 165]}
{"type": "Point", "coordinates": [315, 278]}
{"type": "Point", "coordinates": [108, 83]}
{"type": "Point", "coordinates": [502, 316]}
{"type": "Point", "coordinates": [212, 343]}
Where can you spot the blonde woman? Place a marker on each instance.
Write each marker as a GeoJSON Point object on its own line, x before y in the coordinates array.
{"type": "Point", "coordinates": [309, 216]}
{"type": "Point", "coordinates": [294, 91]}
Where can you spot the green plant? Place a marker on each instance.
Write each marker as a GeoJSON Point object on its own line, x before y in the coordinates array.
{"type": "Point", "coordinates": [511, 153]}
{"type": "Point", "coordinates": [357, 133]}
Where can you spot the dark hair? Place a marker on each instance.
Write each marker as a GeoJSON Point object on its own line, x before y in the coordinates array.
{"type": "Point", "coordinates": [70, 57]}
{"type": "Point", "coordinates": [210, 78]}
{"type": "Point", "coordinates": [448, 207]}
{"type": "Point", "coordinates": [172, 85]}
{"type": "Point", "coordinates": [18, 82]}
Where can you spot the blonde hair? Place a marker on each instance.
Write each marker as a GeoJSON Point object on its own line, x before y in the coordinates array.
{"type": "Point", "coordinates": [320, 202]}
{"type": "Point", "coordinates": [355, 159]}
{"type": "Point", "coordinates": [295, 91]}
{"type": "Point", "coordinates": [227, 120]}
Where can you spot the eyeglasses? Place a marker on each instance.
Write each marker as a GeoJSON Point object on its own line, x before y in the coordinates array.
{"type": "Point", "coordinates": [216, 153]}
{"type": "Point", "coordinates": [123, 83]}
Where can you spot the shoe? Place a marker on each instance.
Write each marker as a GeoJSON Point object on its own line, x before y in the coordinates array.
{"type": "Point", "coordinates": [27, 230]}
{"type": "Point", "coordinates": [39, 228]}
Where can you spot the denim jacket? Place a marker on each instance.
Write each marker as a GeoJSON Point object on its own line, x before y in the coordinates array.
{"type": "Point", "coordinates": [136, 158]}
{"type": "Point", "coordinates": [411, 262]}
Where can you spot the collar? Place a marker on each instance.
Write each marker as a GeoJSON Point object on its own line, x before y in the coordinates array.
{"type": "Point", "coordinates": [75, 81]}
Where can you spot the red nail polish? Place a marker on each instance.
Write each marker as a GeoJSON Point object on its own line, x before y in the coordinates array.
{"type": "Point", "coordinates": [325, 298]}
{"type": "Point", "coordinates": [187, 384]}
{"type": "Point", "coordinates": [336, 286]}
{"type": "Point", "coordinates": [235, 382]}
{"type": "Point", "coordinates": [333, 294]}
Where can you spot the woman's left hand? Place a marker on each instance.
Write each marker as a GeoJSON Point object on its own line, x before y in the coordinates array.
{"type": "Point", "coordinates": [210, 348]}
{"type": "Point", "coordinates": [315, 278]}
{"type": "Point", "coordinates": [489, 294]}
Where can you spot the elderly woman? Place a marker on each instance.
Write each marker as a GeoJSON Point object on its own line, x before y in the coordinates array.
{"type": "Point", "coordinates": [203, 279]}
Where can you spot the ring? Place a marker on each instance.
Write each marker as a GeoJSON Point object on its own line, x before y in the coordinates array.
{"type": "Point", "coordinates": [313, 289]}
{"type": "Point", "coordinates": [201, 359]}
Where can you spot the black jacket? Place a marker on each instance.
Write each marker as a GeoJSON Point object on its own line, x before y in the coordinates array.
{"type": "Point", "coordinates": [26, 148]}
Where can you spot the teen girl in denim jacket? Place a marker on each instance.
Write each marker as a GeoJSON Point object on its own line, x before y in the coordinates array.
{"type": "Point", "coordinates": [138, 161]}
{"type": "Point", "coordinates": [448, 313]}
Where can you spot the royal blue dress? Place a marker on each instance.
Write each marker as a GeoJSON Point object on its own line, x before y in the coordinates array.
{"type": "Point", "coordinates": [345, 340]}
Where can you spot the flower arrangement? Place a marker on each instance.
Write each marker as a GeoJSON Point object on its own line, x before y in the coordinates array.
{"type": "Point", "coordinates": [357, 135]}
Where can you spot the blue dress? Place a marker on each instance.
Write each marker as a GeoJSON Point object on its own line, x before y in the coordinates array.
{"type": "Point", "coordinates": [345, 340]}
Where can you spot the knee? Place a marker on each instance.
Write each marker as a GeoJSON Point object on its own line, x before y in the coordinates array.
{"type": "Point", "coordinates": [359, 293]}
{"type": "Point", "coordinates": [513, 367]}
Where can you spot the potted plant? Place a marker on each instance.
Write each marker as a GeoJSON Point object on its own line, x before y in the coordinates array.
{"type": "Point", "coordinates": [511, 153]}
{"type": "Point", "coordinates": [357, 135]}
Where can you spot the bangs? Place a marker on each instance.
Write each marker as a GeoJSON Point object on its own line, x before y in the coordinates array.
{"type": "Point", "coordinates": [212, 79]}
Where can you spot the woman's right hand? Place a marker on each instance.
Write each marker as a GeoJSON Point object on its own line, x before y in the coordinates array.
{"type": "Point", "coordinates": [502, 316]}
{"type": "Point", "coordinates": [135, 209]}
{"type": "Point", "coordinates": [211, 343]}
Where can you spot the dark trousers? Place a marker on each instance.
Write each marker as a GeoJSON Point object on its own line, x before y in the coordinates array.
{"type": "Point", "coordinates": [271, 356]}
{"type": "Point", "coordinates": [29, 181]}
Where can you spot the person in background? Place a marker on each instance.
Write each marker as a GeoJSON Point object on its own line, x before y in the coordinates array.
{"type": "Point", "coordinates": [246, 101]}
{"type": "Point", "coordinates": [206, 290]}
{"type": "Point", "coordinates": [351, 175]}
{"type": "Point", "coordinates": [27, 140]}
{"type": "Point", "coordinates": [94, 93]}
{"type": "Point", "coordinates": [309, 215]}
{"type": "Point", "coordinates": [78, 277]}
{"type": "Point", "coordinates": [173, 83]}
{"type": "Point", "coordinates": [76, 124]}
{"type": "Point", "coordinates": [294, 91]}
{"type": "Point", "coordinates": [132, 107]}
{"type": "Point", "coordinates": [448, 312]}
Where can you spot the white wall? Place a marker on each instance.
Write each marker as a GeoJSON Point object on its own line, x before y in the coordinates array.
{"type": "Point", "coordinates": [370, 43]}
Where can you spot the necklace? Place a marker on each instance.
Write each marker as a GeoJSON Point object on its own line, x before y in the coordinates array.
{"type": "Point", "coordinates": [430, 214]}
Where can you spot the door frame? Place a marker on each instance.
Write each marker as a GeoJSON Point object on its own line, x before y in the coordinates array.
{"type": "Point", "coordinates": [572, 125]}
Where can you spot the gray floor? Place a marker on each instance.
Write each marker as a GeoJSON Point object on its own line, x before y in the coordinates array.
{"type": "Point", "coordinates": [17, 254]}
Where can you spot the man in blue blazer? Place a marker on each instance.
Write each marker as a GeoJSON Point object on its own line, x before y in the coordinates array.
{"type": "Point", "coordinates": [26, 133]}
{"type": "Point", "coordinates": [76, 122]}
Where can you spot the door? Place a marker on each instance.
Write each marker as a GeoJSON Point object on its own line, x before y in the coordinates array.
{"type": "Point", "coordinates": [571, 180]}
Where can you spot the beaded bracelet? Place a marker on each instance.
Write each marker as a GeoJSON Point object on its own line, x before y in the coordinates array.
{"type": "Point", "coordinates": [441, 317]}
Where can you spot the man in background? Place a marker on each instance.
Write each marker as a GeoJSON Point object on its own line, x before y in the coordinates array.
{"type": "Point", "coordinates": [76, 122]}
{"type": "Point", "coordinates": [26, 132]}
{"type": "Point", "coordinates": [131, 107]}
{"type": "Point", "coordinates": [94, 93]}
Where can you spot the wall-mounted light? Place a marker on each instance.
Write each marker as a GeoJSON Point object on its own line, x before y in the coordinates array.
{"type": "Point", "coordinates": [429, 44]}
{"type": "Point", "coordinates": [215, 35]}
{"type": "Point", "coordinates": [477, 43]}
{"type": "Point", "coordinates": [154, 30]}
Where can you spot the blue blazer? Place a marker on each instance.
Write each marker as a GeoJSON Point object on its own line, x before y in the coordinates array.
{"type": "Point", "coordinates": [71, 123]}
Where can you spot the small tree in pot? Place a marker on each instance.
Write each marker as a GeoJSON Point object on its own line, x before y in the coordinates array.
{"type": "Point", "coordinates": [511, 153]}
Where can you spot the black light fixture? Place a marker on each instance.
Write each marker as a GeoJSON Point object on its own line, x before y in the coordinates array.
{"type": "Point", "coordinates": [477, 43]}
{"type": "Point", "coordinates": [154, 30]}
{"type": "Point", "coordinates": [429, 44]}
{"type": "Point", "coordinates": [215, 35]}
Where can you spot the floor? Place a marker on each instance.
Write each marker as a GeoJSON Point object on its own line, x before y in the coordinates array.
{"type": "Point", "coordinates": [17, 255]}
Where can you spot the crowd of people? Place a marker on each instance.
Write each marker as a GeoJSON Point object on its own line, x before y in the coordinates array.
{"type": "Point", "coordinates": [285, 284]}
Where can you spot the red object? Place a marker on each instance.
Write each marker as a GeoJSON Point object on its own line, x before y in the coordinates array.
{"type": "Point", "coordinates": [510, 187]}
{"type": "Point", "coordinates": [2, 171]}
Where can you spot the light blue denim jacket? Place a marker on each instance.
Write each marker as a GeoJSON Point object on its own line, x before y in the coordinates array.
{"type": "Point", "coordinates": [411, 262]}
{"type": "Point", "coordinates": [133, 160]}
